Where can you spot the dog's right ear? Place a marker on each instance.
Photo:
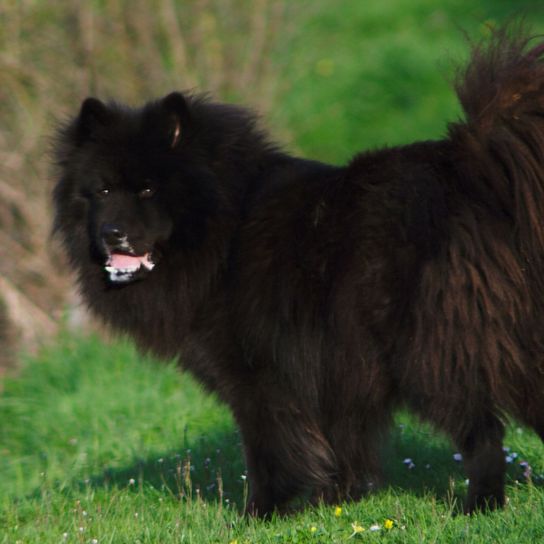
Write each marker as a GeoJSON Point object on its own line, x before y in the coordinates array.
{"type": "Point", "coordinates": [93, 115]}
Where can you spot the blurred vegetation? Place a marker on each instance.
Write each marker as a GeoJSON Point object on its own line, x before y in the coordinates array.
{"type": "Point", "coordinates": [368, 74]}
{"type": "Point", "coordinates": [330, 78]}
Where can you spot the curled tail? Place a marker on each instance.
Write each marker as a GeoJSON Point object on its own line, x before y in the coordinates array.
{"type": "Point", "coordinates": [501, 141]}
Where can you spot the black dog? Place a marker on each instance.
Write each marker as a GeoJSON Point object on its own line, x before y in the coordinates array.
{"type": "Point", "coordinates": [314, 299]}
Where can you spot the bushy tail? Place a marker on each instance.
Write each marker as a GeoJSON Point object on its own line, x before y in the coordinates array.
{"type": "Point", "coordinates": [504, 80]}
{"type": "Point", "coordinates": [501, 141]}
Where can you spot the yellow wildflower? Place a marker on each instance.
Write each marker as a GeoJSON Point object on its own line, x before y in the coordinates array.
{"type": "Point", "coordinates": [313, 529]}
{"type": "Point", "coordinates": [388, 523]}
{"type": "Point", "coordinates": [338, 511]}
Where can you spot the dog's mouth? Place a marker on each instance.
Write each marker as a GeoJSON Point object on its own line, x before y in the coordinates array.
{"type": "Point", "coordinates": [126, 267]}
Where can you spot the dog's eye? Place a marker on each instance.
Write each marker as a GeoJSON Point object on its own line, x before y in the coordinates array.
{"type": "Point", "coordinates": [103, 192]}
{"type": "Point", "coordinates": [148, 192]}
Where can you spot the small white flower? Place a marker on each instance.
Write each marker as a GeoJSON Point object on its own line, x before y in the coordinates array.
{"type": "Point", "coordinates": [81, 529]}
{"type": "Point", "coordinates": [243, 476]}
{"type": "Point", "coordinates": [132, 481]}
{"type": "Point", "coordinates": [374, 528]}
{"type": "Point", "coordinates": [457, 457]}
{"type": "Point", "coordinates": [409, 463]}
{"type": "Point", "coordinates": [509, 459]}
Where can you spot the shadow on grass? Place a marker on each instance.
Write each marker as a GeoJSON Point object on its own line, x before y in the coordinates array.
{"type": "Point", "coordinates": [211, 468]}
{"type": "Point", "coordinates": [420, 461]}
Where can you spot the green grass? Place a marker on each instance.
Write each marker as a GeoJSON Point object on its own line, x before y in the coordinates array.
{"type": "Point", "coordinates": [96, 442]}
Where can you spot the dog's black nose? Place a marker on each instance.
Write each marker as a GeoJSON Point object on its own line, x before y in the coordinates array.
{"type": "Point", "coordinates": [111, 234]}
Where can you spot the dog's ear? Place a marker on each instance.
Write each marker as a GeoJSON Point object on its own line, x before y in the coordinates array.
{"type": "Point", "coordinates": [177, 118]}
{"type": "Point", "coordinates": [93, 115]}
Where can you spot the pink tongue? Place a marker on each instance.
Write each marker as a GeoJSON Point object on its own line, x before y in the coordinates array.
{"type": "Point", "coordinates": [118, 260]}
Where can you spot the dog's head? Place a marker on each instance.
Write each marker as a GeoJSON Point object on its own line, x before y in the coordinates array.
{"type": "Point", "coordinates": [129, 185]}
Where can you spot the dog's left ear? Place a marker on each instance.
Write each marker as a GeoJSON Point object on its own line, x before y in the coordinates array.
{"type": "Point", "coordinates": [177, 116]}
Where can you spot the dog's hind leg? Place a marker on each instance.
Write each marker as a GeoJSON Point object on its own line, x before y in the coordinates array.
{"type": "Point", "coordinates": [484, 463]}
{"type": "Point", "coordinates": [479, 438]}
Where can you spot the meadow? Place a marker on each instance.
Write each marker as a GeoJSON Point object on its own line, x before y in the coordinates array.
{"type": "Point", "coordinates": [101, 445]}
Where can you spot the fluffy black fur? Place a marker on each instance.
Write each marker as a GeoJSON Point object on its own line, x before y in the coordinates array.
{"type": "Point", "coordinates": [314, 299]}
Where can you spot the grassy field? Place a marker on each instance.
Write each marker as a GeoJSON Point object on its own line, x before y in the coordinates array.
{"type": "Point", "coordinates": [99, 445]}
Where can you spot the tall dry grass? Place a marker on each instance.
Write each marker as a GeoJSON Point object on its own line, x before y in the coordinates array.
{"type": "Point", "coordinates": [52, 55]}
